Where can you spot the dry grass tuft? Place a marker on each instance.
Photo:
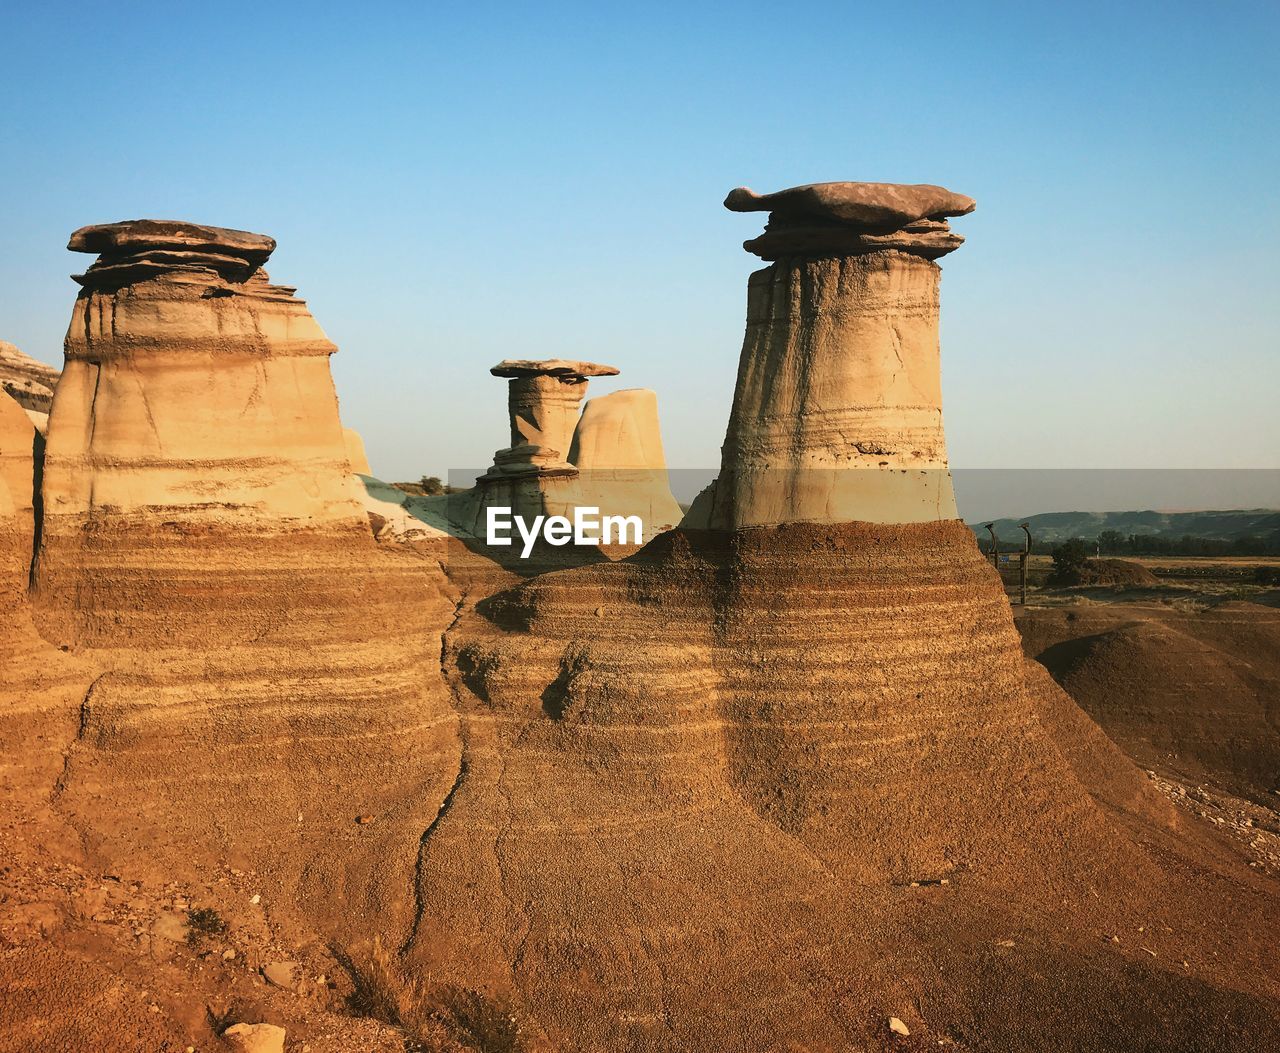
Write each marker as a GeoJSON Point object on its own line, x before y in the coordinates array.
{"type": "Point", "coordinates": [436, 1018]}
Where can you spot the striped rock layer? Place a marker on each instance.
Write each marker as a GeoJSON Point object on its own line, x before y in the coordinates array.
{"type": "Point", "coordinates": [759, 789]}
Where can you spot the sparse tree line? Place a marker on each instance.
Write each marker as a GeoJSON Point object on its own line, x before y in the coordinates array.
{"type": "Point", "coordinates": [1114, 543]}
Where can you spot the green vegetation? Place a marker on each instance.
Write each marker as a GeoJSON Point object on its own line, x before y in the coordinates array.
{"type": "Point", "coordinates": [203, 922]}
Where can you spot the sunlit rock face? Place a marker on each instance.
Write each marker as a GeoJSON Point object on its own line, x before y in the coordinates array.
{"type": "Point", "coordinates": [28, 382]}
{"type": "Point", "coordinates": [617, 449]}
{"type": "Point", "coordinates": [355, 451]}
{"type": "Point", "coordinates": [267, 671]}
{"type": "Point", "coordinates": [21, 449]}
{"type": "Point", "coordinates": [196, 399]}
{"type": "Point", "coordinates": [764, 779]}
{"type": "Point", "coordinates": [837, 413]}
{"type": "Point", "coordinates": [194, 386]}
{"type": "Point", "coordinates": [607, 456]}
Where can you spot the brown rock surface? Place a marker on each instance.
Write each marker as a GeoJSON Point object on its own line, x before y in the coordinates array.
{"type": "Point", "coordinates": [844, 219]}
{"type": "Point", "coordinates": [21, 453]}
{"type": "Point", "coordinates": [767, 786]}
{"type": "Point", "coordinates": [262, 669]}
{"type": "Point", "coordinates": [355, 451]}
{"type": "Point", "coordinates": [870, 205]}
{"type": "Point", "coordinates": [191, 398]}
{"type": "Point", "coordinates": [1194, 692]}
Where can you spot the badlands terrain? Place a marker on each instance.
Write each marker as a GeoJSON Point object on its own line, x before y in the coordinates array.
{"type": "Point", "coordinates": [292, 759]}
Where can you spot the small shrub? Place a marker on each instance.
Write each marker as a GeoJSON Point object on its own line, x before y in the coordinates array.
{"type": "Point", "coordinates": [478, 1021]}
{"type": "Point", "coordinates": [432, 1016]}
{"type": "Point", "coordinates": [202, 922]}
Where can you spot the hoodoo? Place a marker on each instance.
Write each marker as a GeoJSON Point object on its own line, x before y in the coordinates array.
{"type": "Point", "coordinates": [757, 785]}
{"type": "Point", "coordinates": [194, 385]}
{"type": "Point", "coordinates": [195, 394]}
{"type": "Point", "coordinates": [837, 414]}
{"type": "Point", "coordinates": [533, 475]}
{"type": "Point", "coordinates": [261, 658]}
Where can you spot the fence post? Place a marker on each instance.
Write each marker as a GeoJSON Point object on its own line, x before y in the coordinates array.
{"type": "Point", "coordinates": [1026, 558]}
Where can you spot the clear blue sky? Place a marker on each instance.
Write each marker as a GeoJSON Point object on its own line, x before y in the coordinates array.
{"type": "Point", "coordinates": [455, 184]}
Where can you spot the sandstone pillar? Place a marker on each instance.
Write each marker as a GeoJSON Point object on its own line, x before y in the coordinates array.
{"type": "Point", "coordinates": [543, 399]}
{"type": "Point", "coordinates": [837, 413]}
{"type": "Point", "coordinates": [193, 386]}
{"type": "Point", "coordinates": [196, 402]}
{"type": "Point", "coordinates": [533, 475]}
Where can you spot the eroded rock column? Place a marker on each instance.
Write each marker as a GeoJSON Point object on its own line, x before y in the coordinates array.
{"type": "Point", "coordinates": [196, 399]}
{"type": "Point", "coordinates": [533, 475]}
{"type": "Point", "coordinates": [837, 413]}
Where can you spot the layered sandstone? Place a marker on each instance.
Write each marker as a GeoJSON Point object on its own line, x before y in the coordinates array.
{"type": "Point", "coordinates": [193, 385]}
{"type": "Point", "coordinates": [21, 453]}
{"type": "Point", "coordinates": [761, 786]}
{"type": "Point", "coordinates": [267, 673]}
{"type": "Point", "coordinates": [837, 413]}
{"type": "Point", "coordinates": [28, 382]}
{"type": "Point", "coordinates": [195, 394]}
{"type": "Point", "coordinates": [766, 784]}
{"type": "Point", "coordinates": [533, 475]}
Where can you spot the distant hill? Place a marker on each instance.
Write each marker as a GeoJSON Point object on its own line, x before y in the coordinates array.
{"type": "Point", "coordinates": [1059, 526]}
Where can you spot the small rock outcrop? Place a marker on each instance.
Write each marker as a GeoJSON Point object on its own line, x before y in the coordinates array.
{"type": "Point", "coordinates": [20, 455]}
{"type": "Point", "coordinates": [617, 449]}
{"type": "Point", "coordinates": [256, 1038]}
{"type": "Point", "coordinates": [355, 452]}
{"type": "Point", "coordinates": [837, 413]}
{"type": "Point", "coordinates": [27, 382]}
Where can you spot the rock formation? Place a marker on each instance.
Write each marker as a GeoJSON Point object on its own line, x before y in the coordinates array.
{"type": "Point", "coordinates": [28, 382]}
{"type": "Point", "coordinates": [617, 449]}
{"type": "Point", "coordinates": [355, 452]}
{"type": "Point", "coordinates": [194, 392]}
{"type": "Point", "coordinates": [543, 400]}
{"type": "Point", "coordinates": [783, 782]}
{"type": "Point", "coordinates": [194, 385]}
{"type": "Point", "coordinates": [770, 784]}
{"type": "Point", "coordinates": [261, 662]}
{"type": "Point", "coordinates": [20, 458]}
{"type": "Point", "coordinates": [533, 475]}
{"type": "Point", "coordinates": [837, 414]}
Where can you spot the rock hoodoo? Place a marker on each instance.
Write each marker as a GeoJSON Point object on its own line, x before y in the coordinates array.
{"type": "Point", "coordinates": [260, 658]}
{"type": "Point", "coordinates": [192, 385]}
{"type": "Point", "coordinates": [533, 475]}
{"type": "Point", "coordinates": [837, 413]}
{"type": "Point", "coordinates": [748, 759]}
{"type": "Point", "coordinates": [608, 458]}
{"type": "Point", "coordinates": [543, 400]}
{"type": "Point", "coordinates": [768, 785]}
